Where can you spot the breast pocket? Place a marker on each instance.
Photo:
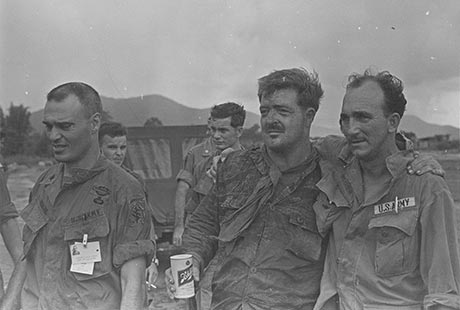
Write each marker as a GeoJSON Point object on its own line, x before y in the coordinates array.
{"type": "Point", "coordinates": [97, 230]}
{"type": "Point", "coordinates": [305, 241]}
{"type": "Point", "coordinates": [397, 243]}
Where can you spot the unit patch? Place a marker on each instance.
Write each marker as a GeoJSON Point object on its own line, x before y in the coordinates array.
{"type": "Point", "coordinates": [137, 211]}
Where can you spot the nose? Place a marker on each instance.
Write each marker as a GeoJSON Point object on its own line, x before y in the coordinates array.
{"type": "Point", "coordinates": [54, 134]}
{"type": "Point", "coordinates": [350, 127]}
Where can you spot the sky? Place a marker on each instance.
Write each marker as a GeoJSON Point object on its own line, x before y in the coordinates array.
{"type": "Point", "coordinates": [204, 52]}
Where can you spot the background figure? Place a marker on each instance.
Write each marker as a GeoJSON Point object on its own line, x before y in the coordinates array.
{"type": "Point", "coordinates": [88, 202]}
{"type": "Point", "coordinates": [225, 126]}
{"type": "Point", "coordinates": [113, 143]}
{"type": "Point", "coordinates": [394, 232]}
{"type": "Point", "coordinates": [185, 181]}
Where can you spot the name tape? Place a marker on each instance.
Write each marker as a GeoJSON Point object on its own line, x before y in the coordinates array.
{"type": "Point", "coordinates": [394, 206]}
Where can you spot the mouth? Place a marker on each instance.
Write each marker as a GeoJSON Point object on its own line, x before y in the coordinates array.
{"type": "Point", "coordinates": [273, 133]}
{"type": "Point", "coordinates": [59, 148]}
{"type": "Point", "coordinates": [356, 142]}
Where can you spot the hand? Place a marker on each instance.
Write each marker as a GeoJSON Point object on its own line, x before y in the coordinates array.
{"type": "Point", "coordinates": [177, 235]}
{"type": "Point", "coordinates": [151, 274]}
{"type": "Point", "coordinates": [423, 163]}
{"type": "Point", "coordinates": [169, 280]}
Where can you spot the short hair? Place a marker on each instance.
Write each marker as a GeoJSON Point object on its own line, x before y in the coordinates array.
{"type": "Point", "coordinates": [392, 88]}
{"type": "Point", "coordinates": [307, 85]}
{"type": "Point", "coordinates": [88, 96]}
{"type": "Point", "coordinates": [111, 129]}
{"type": "Point", "coordinates": [229, 109]}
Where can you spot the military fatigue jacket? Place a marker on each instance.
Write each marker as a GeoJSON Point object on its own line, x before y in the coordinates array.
{"type": "Point", "coordinates": [397, 252]}
{"type": "Point", "coordinates": [107, 205]}
{"type": "Point", "coordinates": [269, 250]}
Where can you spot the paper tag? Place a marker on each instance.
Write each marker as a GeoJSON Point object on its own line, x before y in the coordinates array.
{"type": "Point", "coordinates": [89, 253]}
{"type": "Point", "coordinates": [86, 268]}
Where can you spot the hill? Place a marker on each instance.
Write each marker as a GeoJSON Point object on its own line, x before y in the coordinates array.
{"type": "Point", "coordinates": [135, 111]}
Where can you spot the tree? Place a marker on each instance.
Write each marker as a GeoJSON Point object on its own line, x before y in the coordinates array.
{"type": "Point", "coordinates": [16, 129]}
{"type": "Point", "coordinates": [153, 122]}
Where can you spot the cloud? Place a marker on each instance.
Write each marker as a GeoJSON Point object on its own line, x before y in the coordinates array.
{"type": "Point", "coordinates": [202, 52]}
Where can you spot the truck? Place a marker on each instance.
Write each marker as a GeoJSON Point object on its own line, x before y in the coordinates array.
{"type": "Point", "coordinates": [156, 154]}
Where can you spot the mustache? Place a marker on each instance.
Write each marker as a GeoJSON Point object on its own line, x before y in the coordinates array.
{"type": "Point", "coordinates": [274, 126]}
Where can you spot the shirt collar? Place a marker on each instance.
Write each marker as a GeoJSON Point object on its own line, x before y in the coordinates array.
{"type": "Point", "coordinates": [395, 163]}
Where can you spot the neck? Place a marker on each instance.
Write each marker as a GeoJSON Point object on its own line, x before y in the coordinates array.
{"type": "Point", "coordinates": [377, 167]}
{"type": "Point", "coordinates": [86, 162]}
{"type": "Point", "coordinates": [285, 160]}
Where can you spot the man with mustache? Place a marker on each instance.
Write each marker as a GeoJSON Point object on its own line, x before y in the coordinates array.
{"type": "Point", "coordinates": [87, 204]}
{"type": "Point", "coordinates": [393, 243]}
{"type": "Point", "coordinates": [258, 219]}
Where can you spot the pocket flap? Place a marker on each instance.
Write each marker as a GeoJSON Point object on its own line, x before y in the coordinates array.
{"type": "Point", "coordinates": [405, 221]}
{"type": "Point", "coordinates": [301, 219]}
{"type": "Point", "coordinates": [95, 228]}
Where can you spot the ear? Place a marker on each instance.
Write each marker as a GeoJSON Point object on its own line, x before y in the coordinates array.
{"type": "Point", "coordinates": [239, 131]}
{"type": "Point", "coordinates": [95, 122]}
{"type": "Point", "coordinates": [310, 114]}
{"type": "Point", "coordinates": [393, 122]}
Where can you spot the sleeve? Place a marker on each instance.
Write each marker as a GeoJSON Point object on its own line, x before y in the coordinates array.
{"type": "Point", "coordinates": [439, 260]}
{"type": "Point", "coordinates": [7, 209]}
{"type": "Point", "coordinates": [186, 173]}
{"type": "Point", "coordinates": [133, 234]}
{"type": "Point", "coordinates": [201, 231]}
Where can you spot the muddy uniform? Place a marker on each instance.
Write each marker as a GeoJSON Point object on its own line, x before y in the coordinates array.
{"type": "Point", "coordinates": [269, 250]}
{"type": "Point", "coordinates": [105, 203]}
{"type": "Point", "coordinates": [397, 252]}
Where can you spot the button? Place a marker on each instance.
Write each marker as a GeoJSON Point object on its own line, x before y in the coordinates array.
{"type": "Point", "coordinates": [253, 269]}
{"type": "Point", "coordinates": [300, 220]}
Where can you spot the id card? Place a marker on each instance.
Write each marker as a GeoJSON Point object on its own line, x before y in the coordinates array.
{"type": "Point", "coordinates": [91, 253]}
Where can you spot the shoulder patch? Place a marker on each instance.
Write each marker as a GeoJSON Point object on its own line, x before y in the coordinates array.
{"type": "Point", "coordinates": [137, 211]}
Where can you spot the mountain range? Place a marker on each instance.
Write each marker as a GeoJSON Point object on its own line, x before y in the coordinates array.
{"type": "Point", "coordinates": [135, 111]}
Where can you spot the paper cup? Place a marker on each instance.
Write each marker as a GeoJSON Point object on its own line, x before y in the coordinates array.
{"type": "Point", "coordinates": [182, 271]}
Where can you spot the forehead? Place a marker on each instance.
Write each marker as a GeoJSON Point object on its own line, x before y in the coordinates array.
{"type": "Point", "coordinates": [286, 97]}
{"type": "Point", "coordinates": [67, 109]}
{"type": "Point", "coordinates": [119, 140]}
{"type": "Point", "coordinates": [367, 96]}
{"type": "Point", "coordinates": [220, 122]}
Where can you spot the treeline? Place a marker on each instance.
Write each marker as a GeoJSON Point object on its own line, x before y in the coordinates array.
{"type": "Point", "coordinates": [17, 135]}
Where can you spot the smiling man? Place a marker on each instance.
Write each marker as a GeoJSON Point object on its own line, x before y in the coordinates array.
{"type": "Point", "coordinates": [87, 204]}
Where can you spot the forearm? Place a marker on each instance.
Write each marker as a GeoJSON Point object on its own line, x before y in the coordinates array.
{"type": "Point", "coordinates": [179, 204]}
{"type": "Point", "coordinates": [12, 238]}
{"type": "Point", "coordinates": [202, 229]}
{"type": "Point", "coordinates": [132, 284]}
{"type": "Point", "coordinates": [11, 299]}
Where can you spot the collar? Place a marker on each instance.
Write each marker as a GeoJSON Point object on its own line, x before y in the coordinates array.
{"type": "Point", "coordinates": [395, 163]}
{"type": "Point", "coordinates": [78, 175]}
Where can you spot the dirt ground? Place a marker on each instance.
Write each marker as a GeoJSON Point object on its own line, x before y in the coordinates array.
{"type": "Point", "coordinates": [21, 180]}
